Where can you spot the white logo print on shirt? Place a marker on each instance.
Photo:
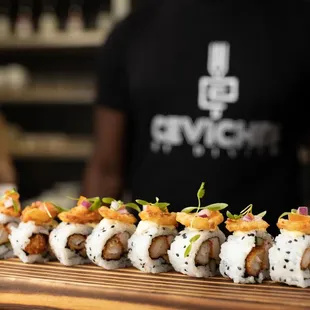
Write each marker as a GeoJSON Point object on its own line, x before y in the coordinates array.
{"type": "Point", "coordinates": [216, 90]}
{"type": "Point", "coordinates": [215, 93]}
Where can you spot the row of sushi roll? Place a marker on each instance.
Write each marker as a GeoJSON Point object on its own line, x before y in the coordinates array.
{"type": "Point", "coordinates": [105, 232]}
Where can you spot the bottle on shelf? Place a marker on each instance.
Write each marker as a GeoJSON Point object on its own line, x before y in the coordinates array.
{"type": "Point", "coordinates": [103, 20]}
{"type": "Point", "coordinates": [75, 20]}
{"type": "Point", "coordinates": [5, 20]}
{"type": "Point", "coordinates": [48, 23]}
{"type": "Point", "coordinates": [120, 9]}
{"type": "Point", "coordinates": [24, 27]}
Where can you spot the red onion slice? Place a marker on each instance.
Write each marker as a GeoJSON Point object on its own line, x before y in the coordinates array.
{"type": "Point", "coordinates": [204, 213]}
{"type": "Point", "coordinates": [302, 211]}
{"type": "Point", "coordinates": [247, 218]}
{"type": "Point", "coordinates": [145, 208]}
{"type": "Point", "coordinates": [123, 211]}
{"type": "Point", "coordinates": [86, 204]}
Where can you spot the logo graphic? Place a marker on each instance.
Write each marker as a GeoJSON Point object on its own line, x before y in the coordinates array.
{"type": "Point", "coordinates": [216, 90]}
{"type": "Point", "coordinates": [214, 135]}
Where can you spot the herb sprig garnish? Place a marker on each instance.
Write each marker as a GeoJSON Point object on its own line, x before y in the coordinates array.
{"type": "Point", "coordinates": [244, 212]}
{"type": "Point", "coordinates": [132, 205]}
{"type": "Point", "coordinates": [293, 211]}
{"type": "Point", "coordinates": [60, 209]}
{"type": "Point", "coordinates": [200, 194]}
{"type": "Point", "coordinates": [163, 206]}
{"type": "Point", "coordinates": [189, 247]}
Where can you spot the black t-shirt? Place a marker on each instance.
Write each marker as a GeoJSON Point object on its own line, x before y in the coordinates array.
{"type": "Point", "coordinates": [214, 91]}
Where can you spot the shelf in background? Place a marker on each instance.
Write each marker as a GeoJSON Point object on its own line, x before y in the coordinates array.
{"type": "Point", "coordinates": [87, 39]}
{"type": "Point", "coordinates": [41, 94]}
{"type": "Point", "coordinates": [51, 146]}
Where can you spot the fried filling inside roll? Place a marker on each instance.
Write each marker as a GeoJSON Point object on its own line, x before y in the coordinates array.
{"type": "Point", "coordinates": [257, 260]}
{"type": "Point", "coordinates": [4, 233]}
{"type": "Point", "coordinates": [38, 244]}
{"type": "Point", "coordinates": [305, 261]}
{"type": "Point", "coordinates": [116, 246]}
{"type": "Point", "coordinates": [159, 247]}
{"type": "Point", "coordinates": [208, 253]}
{"type": "Point", "coordinates": [76, 243]}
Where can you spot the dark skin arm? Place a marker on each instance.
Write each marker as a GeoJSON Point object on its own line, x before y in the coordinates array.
{"type": "Point", "coordinates": [104, 172]}
{"type": "Point", "coordinates": [7, 169]}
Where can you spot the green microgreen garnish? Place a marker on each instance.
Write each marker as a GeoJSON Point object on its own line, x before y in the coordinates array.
{"type": "Point", "coordinates": [293, 211]}
{"type": "Point", "coordinates": [163, 206]}
{"type": "Point", "coordinates": [189, 247]}
{"type": "Point", "coordinates": [200, 194]}
{"type": "Point", "coordinates": [132, 205]}
{"type": "Point", "coordinates": [60, 209]}
{"type": "Point", "coordinates": [262, 214]}
{"type": "Point", "coordinates": [108, 200]}
{"type": "Point", "coordinates": [244, 212]}
{"type": "Point", "coordinates": [96, 203]}
{"type": "Point", "coordinates": [15, 206]}
{"type": "Point", "coordinates": [72, 198]}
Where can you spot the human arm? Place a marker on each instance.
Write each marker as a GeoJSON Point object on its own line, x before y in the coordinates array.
{"type": "Point", "coordinates": [104, 172]}
{"type": "Point", "coordinates": [7, 169]}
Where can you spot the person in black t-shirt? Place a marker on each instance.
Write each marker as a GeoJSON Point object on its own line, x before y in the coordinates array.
{"type": "Point", "coordinates": [204, 90]}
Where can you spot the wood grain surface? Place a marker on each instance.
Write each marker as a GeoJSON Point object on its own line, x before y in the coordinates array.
{"type": "Point", "coordinates": [53, 286]}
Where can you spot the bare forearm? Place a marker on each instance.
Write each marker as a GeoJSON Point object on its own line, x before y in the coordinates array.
{"type": "Point", "coordinates": [7, 169]}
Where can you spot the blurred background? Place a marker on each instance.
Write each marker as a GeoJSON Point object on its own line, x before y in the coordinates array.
{"type": "Point", "coordinates": [48, 54]}
{"type": "Point", "coordinates": [47, 59]}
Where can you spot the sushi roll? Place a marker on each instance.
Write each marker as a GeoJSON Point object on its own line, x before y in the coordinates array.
{"type": "Point", "coordinates": [30, 239]}
{"type": "Point", "coordinates": [244, 256]}
{"type": "Point", "coordinates": [195, 250]}
{"type": "Point", "coordinates": [107, 245]}
{"type": "Point", "coordinates": [290, 255]}
{"type": "Point", "coordinates": [10, 211]}
{"type": "Point", "coordinates": [148, 246]}
{"type": "Point", "coordinates": [68, 239]}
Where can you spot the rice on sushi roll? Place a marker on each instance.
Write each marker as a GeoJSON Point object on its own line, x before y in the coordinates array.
{"type": "Point", "coordinates": [290, 255]}
{"type": "Point", "coordinates": [107, 245]}
{"type": "Point", "coordinates": [244, 256]}
{"type": "Point", "coordinates": [10, 211]}
{"type": "Point", "coordinates": [68, 239]}
{"type": "Point", "coordinates": [30, 239]}
{"type": "Point", "coordinates": [195, 250]}
{"type": "Point", "coordinates": [149, 244]}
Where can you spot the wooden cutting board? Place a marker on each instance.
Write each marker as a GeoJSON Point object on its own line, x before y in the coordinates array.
{"type": "Point", "coordinates": [53, 286]}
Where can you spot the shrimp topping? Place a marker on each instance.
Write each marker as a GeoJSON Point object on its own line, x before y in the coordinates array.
{"type": "Point", "coordinates": [194, 220]}
{"type": "Point", "coordinates": [42, 213]}
{"type": "Point", "coordinates": [81, 214]}
{"type": "Point", "coordinates": [246, 221]}
{"type": "Point", "coordinates": [9, 204]}
{"type": "Point", "coordinates": [119, 215]}
{"type": "Point", "coordinates": [298, 220]}
{"type": "Point", "coordinates": [242, 225]}
{"type": "Point", "coordinates": [155, 214]}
